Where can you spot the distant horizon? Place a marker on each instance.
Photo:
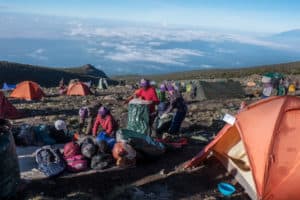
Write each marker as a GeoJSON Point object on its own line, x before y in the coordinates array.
{"type": "Point", "coordinates": [154, 74]}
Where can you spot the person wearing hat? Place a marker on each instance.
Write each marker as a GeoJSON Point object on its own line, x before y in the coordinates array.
{"type": "Point", "coordinates": [106, 121]}
{"type": "Point", "coordinates": [87, 115]}
{"type": "Point", "coordinates": [177, 102]}
{"type": "Point", "coordinates": [148, 93]}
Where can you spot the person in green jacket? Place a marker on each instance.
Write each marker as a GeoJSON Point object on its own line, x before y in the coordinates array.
{"type": "Point", "coordinates": [161, 93]}
{"type": "Point", "coordinates": [281, 88]}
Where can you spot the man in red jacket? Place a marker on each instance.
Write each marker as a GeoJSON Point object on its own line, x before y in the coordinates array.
{"type": "Point", "coordinates": [107, 122]}
{"type": "Point", "coordinates": [147, 93]}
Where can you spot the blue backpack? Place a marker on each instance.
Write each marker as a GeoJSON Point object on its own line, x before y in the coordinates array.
{"type": "Point", "coordinates": [50, 161]}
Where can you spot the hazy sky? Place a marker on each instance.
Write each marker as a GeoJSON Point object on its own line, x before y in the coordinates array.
{"type": "Point", "coordinates": [240, 15]}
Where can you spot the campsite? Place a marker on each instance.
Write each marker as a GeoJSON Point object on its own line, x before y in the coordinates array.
{"type": "Point", "coordinates": [181, 172]}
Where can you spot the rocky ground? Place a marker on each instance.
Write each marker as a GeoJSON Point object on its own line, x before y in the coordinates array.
{"type": "Point", "coordinates": [160, 179]}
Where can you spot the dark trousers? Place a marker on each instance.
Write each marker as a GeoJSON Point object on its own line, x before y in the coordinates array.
{"type": "Point", "coordinates": [176, 121]}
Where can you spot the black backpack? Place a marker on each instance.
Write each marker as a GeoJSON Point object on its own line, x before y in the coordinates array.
{"type": "Point", "coordinates": [88, 148]}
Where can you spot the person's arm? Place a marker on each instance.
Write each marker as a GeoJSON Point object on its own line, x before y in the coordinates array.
{"type": "Point", "coordinates": [129, 99]}
{"type": "Point", "coordinates": [171, 106]}
{"type": "Point", "coordinates": [109, 128]}
{"type": "Point", "coordinates": [155, 99]}
{"type": "Point", "coordinates": [96, 126]}
{"type": "Point", "coordinates": [89, 125]}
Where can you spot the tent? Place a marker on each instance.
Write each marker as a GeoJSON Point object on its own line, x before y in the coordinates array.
{"type": "Point", "coordinates": [103, 85]}
{"type": "Point", "coordinates": [7, 110]}
{"type": "Point", "coordinates": [28, 90]}
{"type": "Point", "coordinates": [78, 88]}
{"type": "Point", "coordinates": [262, 148]}
{"type": "Point", "coordinates": [216, 90]}
{"type": "Point", "coordinates": [8, 86]}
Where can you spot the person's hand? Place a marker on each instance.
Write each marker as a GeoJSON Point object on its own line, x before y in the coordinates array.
{"type": "Point", "coordinates": [163, 116]}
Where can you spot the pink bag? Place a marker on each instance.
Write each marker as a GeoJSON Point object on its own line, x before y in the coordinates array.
{"type": "Point", "coordinates": [77, 163]}
{"type": "Point", "coordinates": [71, 149]}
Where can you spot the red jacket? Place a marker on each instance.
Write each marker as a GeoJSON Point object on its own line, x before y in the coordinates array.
{"type": "Point", "coordinates": [150, 95]}
{"type": "Point", "coordinates": [107, 123]}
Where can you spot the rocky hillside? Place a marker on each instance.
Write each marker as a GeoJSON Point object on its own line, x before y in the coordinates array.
{"type": "Point", "coordinates": [14, 73]}
{"type": "Point", "coordinates": [292, 68]}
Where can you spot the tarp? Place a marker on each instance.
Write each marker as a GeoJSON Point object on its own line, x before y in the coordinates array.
{"type": "Point", "coordinates": [28, 90]}
{"type": "Point", "coordinates": [141, 142]}
{"type": "Point", "coordinates": [219, 90]}
{"type": "Point", "coordinates": [7, 110]}
{"type": "Point", "coordinates": [275, 75]}
{"type": "Point", "coordinates": [138, 116]}
{"type": "Point", "coordinates": [8, 86]}
{"type": "Point", "coordinates": [262, 148]}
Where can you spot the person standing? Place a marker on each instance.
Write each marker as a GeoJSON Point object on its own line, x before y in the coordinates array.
{"type": "Point", "coordinates": [176, 102]}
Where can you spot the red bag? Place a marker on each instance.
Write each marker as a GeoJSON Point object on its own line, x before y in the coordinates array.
{"type": "Point", "coordinates": [71, 149]}
{"type": "Point", "coordinates": [77, 163]}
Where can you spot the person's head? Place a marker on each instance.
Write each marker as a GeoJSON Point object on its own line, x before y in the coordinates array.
{"type": "Point", "coordinates": [103, 111]}
{"type": "Point", "coordinates": [170, 89]}
{"type": "Point", "coordinates": [163, 88]}
{"type": "Point", "coordinates": [144, 83]}
{"type": "Point", "coordinates": [83, 112]}
{"type": "Point", "coordinates": [60, 125]}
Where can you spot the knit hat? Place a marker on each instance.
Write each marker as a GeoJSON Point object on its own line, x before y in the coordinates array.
{"type": "Point", "coordinates": [103, 111]}
{"type": "Point", "coordinates": [60, 125]}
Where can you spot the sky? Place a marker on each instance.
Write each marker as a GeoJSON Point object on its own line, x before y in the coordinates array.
{"type": "Point", "coordinates": [262, 16]}
{"type": "Point", "coordinates": [153, 36]}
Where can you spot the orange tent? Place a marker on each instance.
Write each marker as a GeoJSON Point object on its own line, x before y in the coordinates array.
{"type": "Point", "coordinates": [78, 88]}
{"type": "Point", "coordinates": [28, 90]}
{"type": "Point", "coordinates": [262, 148]}
{"type": "Point", "coordinates": [7, 110]}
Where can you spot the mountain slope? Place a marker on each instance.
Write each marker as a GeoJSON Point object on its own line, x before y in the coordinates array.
{"type": "Point", "coordinates": [15, 72]}
{"type": "Point", "coordinates": [289, 34]}
{"type": "Point", "coordinates": [87, 69]}
{"type": "Point", "coordinates": [285, 68]}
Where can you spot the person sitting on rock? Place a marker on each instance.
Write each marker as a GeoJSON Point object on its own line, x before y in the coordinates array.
{"type": "Point", "coordinates": [176, 102]}
{"type": "Point", "coordinates": [107, 122]}
{"type": "Point", "coordinates": [87, 115]}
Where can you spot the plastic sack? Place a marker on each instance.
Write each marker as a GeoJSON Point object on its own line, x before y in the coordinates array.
{"type": "Point", "coordinates": [26, 135]}
{"type": "Point", "coordinates": [138, 117]}
{"type": "Point", "coordinates": [101, 161]}
{"type": "Point", "coordinates": [42, 135]}
{"type": "Point", "coordinates": [124, 154]}
{"type": "Point", "coordinates": [77, 163]}
{"type": "Point", "coordinates": [140, 142]}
